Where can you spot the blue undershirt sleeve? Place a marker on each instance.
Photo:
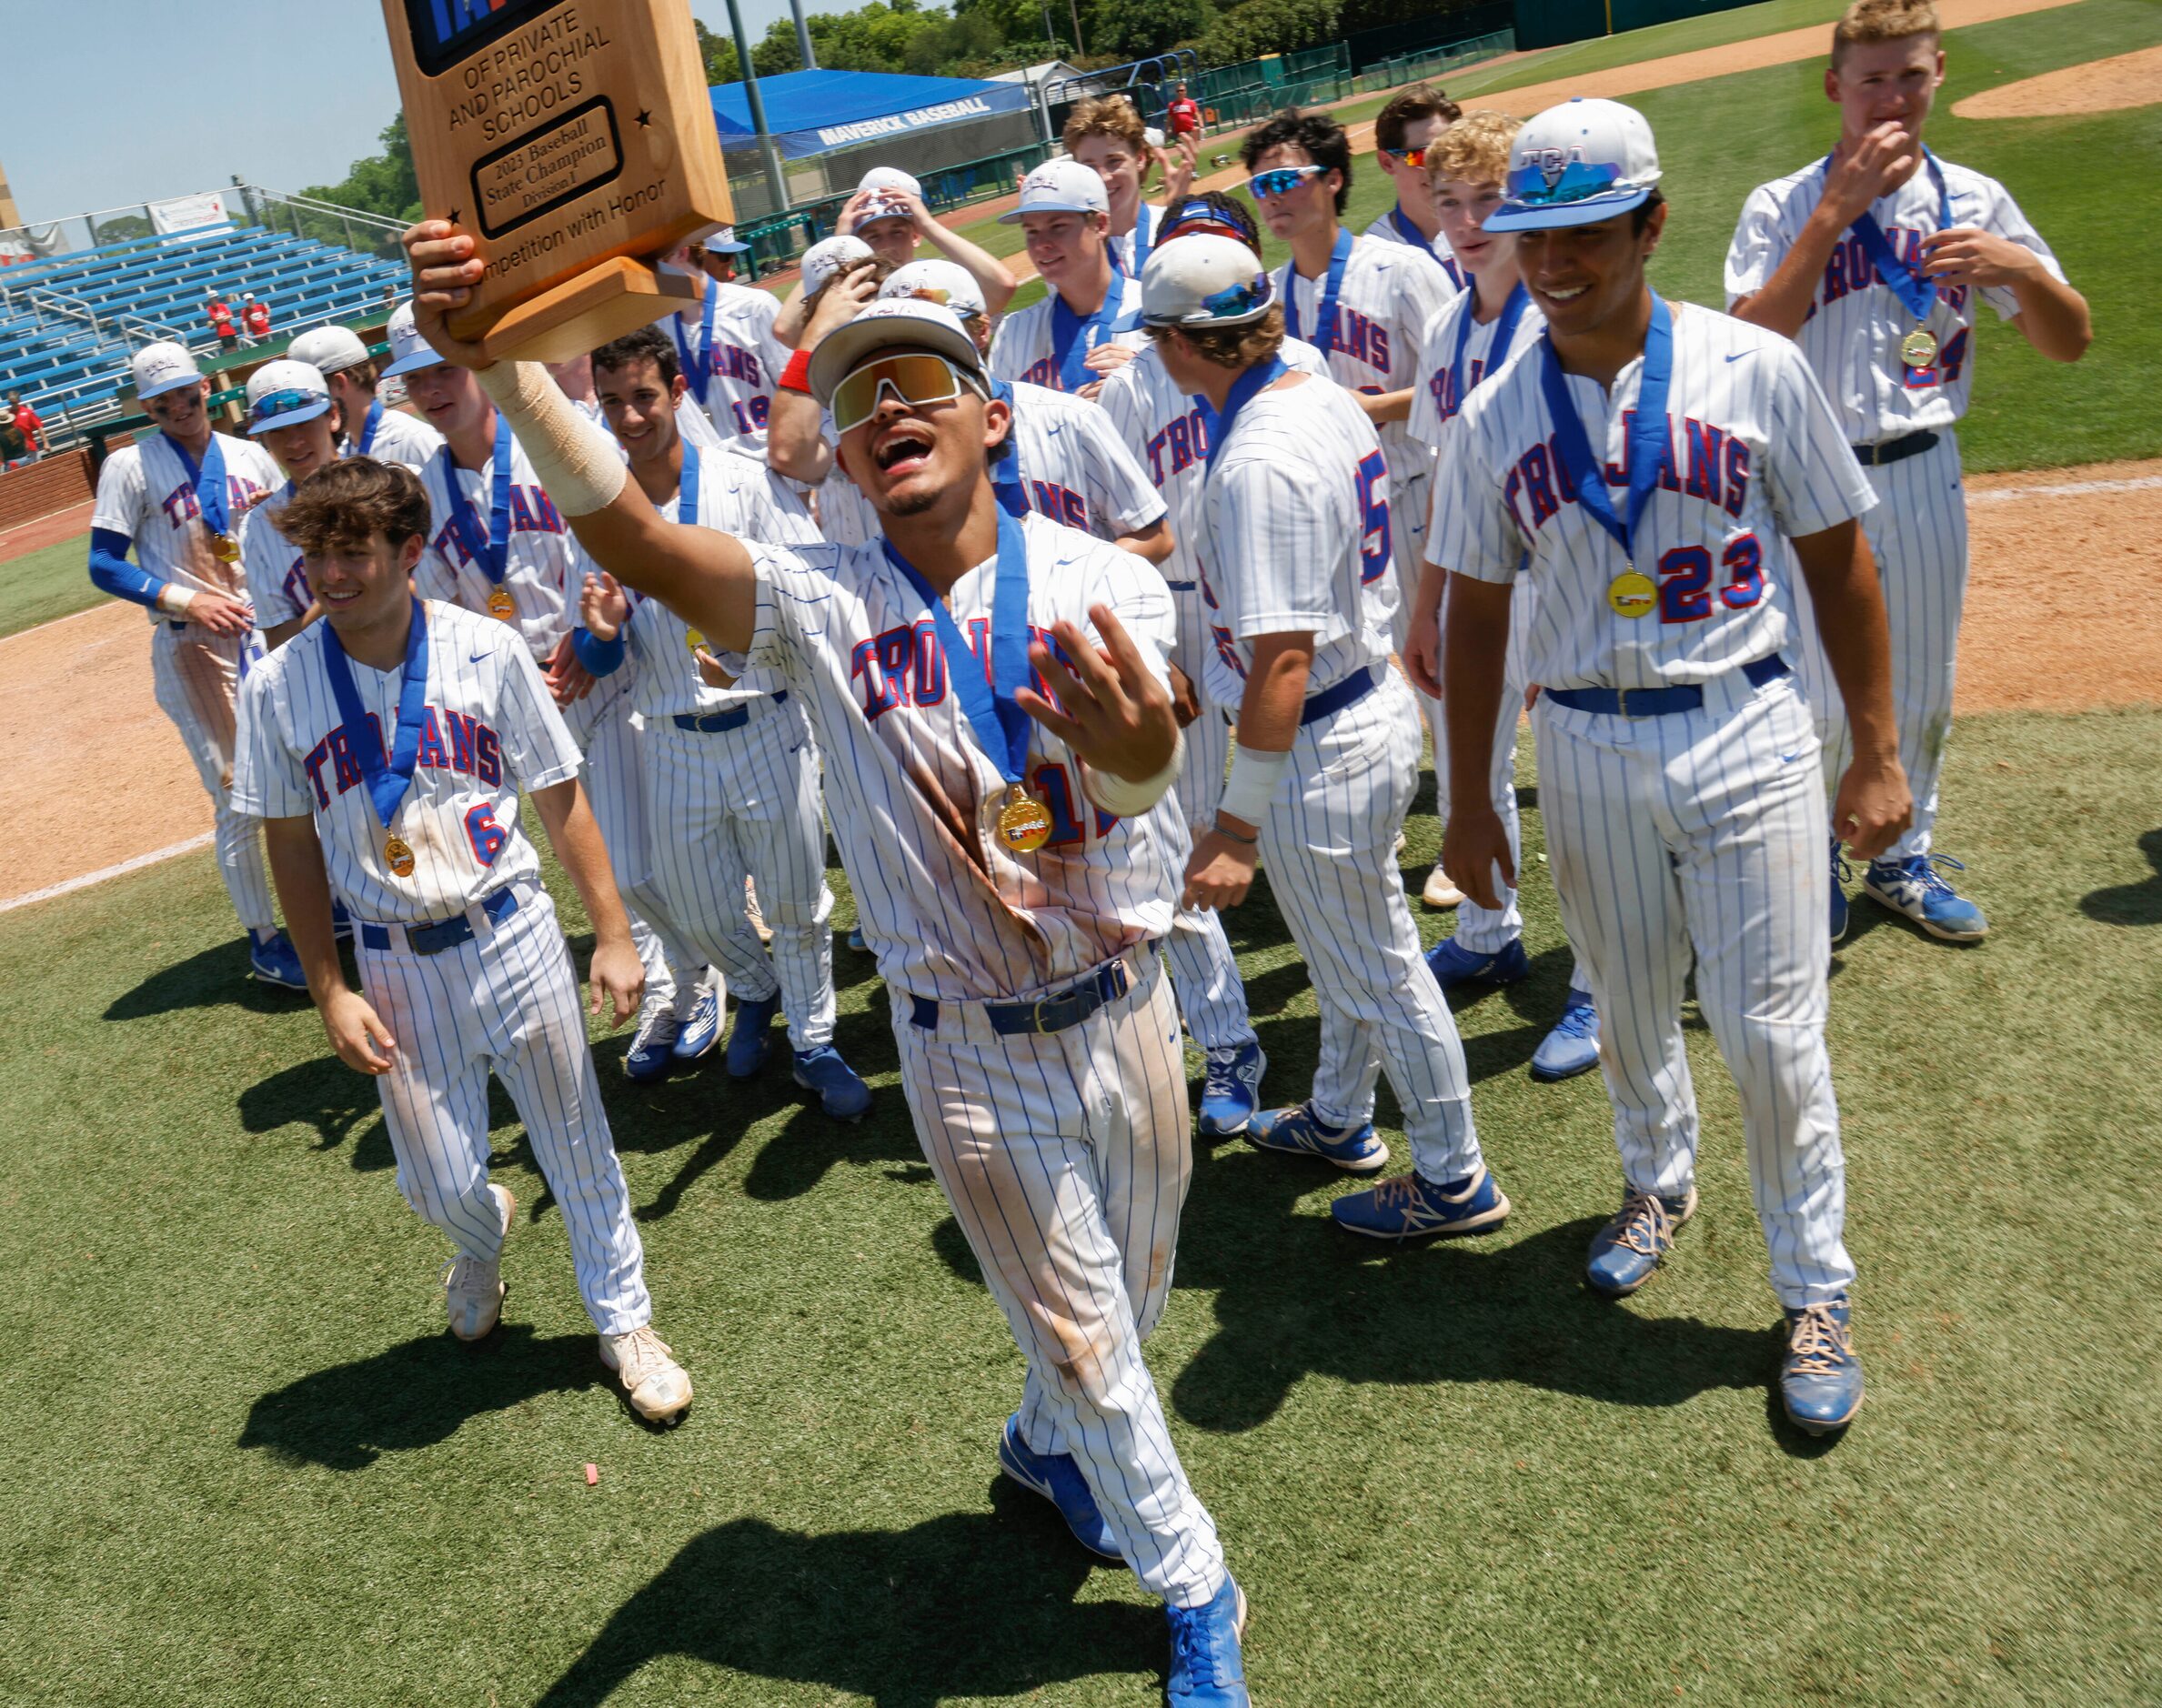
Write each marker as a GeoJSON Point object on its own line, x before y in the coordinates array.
{"type": "Point", "coordinates": [603, 658]}
{"type": "Point", "coordinates": [110, 571]}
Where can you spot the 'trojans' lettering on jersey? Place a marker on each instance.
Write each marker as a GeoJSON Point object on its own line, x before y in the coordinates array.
{"type": "Point", "coordinates": [181, 506]}
{"type": "Point", "coordinates": [530, 513]}
{"type": "Point", "coordinates": [1717, 472]}
{"type": "Point", "coordinates": [473, 747]}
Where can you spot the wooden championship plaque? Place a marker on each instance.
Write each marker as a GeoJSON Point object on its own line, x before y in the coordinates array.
{"type": "Point", "coordinates": [574, 141]}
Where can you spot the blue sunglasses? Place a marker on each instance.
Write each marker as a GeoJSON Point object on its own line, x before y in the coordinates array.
{"type": "Point", "coordinates": [271, 404]}
{"type": "Point", "coordinates": [1578, 182]}
{"type": "Point", "coordinates": [1277, 180]}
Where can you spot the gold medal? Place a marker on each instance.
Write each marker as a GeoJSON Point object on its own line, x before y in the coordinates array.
{"type": "Point", "coordinates": [224, 549]}
{"type": "Point", "coordinates": [500, 604]}
{"type": "Point", "coordinates": [694, 640]}
{"type": "Point", "coordinates": [397, 856]}
{"type": "Point", "coordinates": [1024, 822]}
{"type": "Point", "coordinates": [1918, 348]}
{"type": "Point", "coordinates": [1631, 595]}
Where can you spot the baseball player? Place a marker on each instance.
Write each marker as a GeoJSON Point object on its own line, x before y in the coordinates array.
{"type": "Point", "coordinates": [1296, 574]}
{"type": "Point", "coordinates": [500, 548]}
{"type": "Point", "coordinates": [176, 499]}
{"type": "Point", "coordinates": [1874, 260]}
{"type": "Point", "coordinates": [1106, 134]}
{"type": "Point", "coordinates": [385, 748]}
{"type": "Point", "coordinates": [1364, 305]}
{"type": "Point", "coordinates": [731, 775]}
{"type": "Point", "coordinates": [1404, 133]}
{"type": "Point", "coordinates": [289, 413]}
{"type": "Point", "coordinates": [1168, 430]}
{"type": "Point", "coordinates": [367, 427]}
{"type": "Point", "coordinates": [1470, 339]}
{"type": "Point", "coordinates": [888, 214]}
{"type": "Point", "coordinates": [725, 346]}
{"type": "Point", "coordinates": [1645, 468]}
{"type": "Point", "coordinates": [1009, 860]}
{"type": "Point", "coordinates": [1089, 323]}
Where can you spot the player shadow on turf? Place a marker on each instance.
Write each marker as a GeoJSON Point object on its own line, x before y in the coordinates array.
{"type": "Point", "coordinates": [2130, 904]}
{"type": "Point", "coordinates": [216, 977]}
{"type": "Point", "coordinates": [899, 1618]}
{"type": "Point", "coordinates": [415, 1394]}
{"type": "Point", "coordinates": [324, 1094]}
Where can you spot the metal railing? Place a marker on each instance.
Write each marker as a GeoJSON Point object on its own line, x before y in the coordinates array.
{"type": "Point", "coordinates": [1422, 66]}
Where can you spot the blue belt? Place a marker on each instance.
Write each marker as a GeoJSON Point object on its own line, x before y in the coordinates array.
{"type": "Point", "coordinates": [1353, 688]}
{"type": "Point", "coordinates": [1054, 1014]}
{"type": "Point", "coordinates": [1658, 702]}
{"type": "Point", "coordinates": [1894, 450]}
{"type": "Point", "coordinates": [176, 624]}
{"type": "Point", "coordinates": [735, 718]}
{"type": "Point", "coordinates": [433, 939]}
{"type": "Point", "coordinates": [1181, 586]}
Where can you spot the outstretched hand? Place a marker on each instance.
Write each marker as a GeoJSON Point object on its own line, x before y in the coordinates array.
{"type": "Point", "coordinates": [1116, 716]}
{"type": "Point", "coordinates": [444, 272]}
{"type": "Point", "coordinates": [602, 609]}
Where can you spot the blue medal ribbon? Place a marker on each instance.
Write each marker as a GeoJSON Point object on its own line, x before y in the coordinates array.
{"type": "Point", "coordinates": [1140, 244]}
{"type": "Point", "coordinates": [1504, 330]}
{"type": "Point", "coordinates": [687, 488]}
{"type": "Point", "coordinates": [387, 782]}
{"type": "Point", "coordinates": [1072, 337]}
{"type": "Point", "coordinates": [1326, 339]}
{"type": "Point", "coordinates": [369, 427]}
{"type": "Point", "coordinates": [1919, 295]}
{"type": "Point", "coordinates": [1001, 726]}
{"type": "Point", "coordinates": [1005, 474]}
{"type": "Point", "coordinates": [208, 478]}
{"type": "Point", "coordinates": [493, 553]}
{"type": "Point", "coordinates": [1648, 445]}
{"type": "Point", "coordinates": [699, 369]}
{"type": "Point", "coordinates": [1258, 377]}
{"type": "Point", "coordinates": [1439, 249]}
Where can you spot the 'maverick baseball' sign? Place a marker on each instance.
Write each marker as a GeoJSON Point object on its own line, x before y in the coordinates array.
{"type": "Point", "coordinates": [574, 141]}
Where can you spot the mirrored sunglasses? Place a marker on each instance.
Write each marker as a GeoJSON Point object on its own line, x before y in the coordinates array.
{"type": "Point", "coordinates": [1578, 182]}
{"type": "Point", "coordinates": [917, 378]}
{"type": "Point", "coordinates": [1278, 180]}
{"type": "Point", "coordinates": [274, 404]}
{"type": "Point", "coordinates": [1414, 158]}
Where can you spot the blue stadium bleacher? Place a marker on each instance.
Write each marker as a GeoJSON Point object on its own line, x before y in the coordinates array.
{"type": "Point", "coordinates": [69, 325]}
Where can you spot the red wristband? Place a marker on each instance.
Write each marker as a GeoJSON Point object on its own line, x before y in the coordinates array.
{"type": "Point", "coordinates": [796, 375]}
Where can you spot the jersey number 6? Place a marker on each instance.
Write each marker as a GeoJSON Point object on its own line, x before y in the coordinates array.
{"type": "Point", "coordinates": [485, 834]}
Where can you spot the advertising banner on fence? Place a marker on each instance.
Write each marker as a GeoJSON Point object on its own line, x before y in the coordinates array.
{"type": "Point", "coordinates": [190, 216]}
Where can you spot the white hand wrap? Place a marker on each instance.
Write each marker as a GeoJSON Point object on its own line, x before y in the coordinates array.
{"type": "Point", "coordinates": [1252, 786]}
{"type": "Point", "coordinates": [1125, 799]}
{"type": "Point", "coordinates": [576, 459]}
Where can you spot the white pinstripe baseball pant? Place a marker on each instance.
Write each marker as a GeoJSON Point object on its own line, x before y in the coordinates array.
{"type": "Point", "coordinates": [615, 786]}
{"type": "Point", "coordinates": [195, 676]}
{"type": "Point", "coordinates": [506, 1001]}
{"type": "Point", "coordinates": [1066, 1158]}
{"type": "Point", "coordinates": [1701, 835]}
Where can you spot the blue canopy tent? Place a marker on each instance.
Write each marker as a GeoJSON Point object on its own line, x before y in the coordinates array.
{"type": "Point", "coordinates": [817, 111]}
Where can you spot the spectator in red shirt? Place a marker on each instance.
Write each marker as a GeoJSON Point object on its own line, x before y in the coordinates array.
{"type": "Point", "coordinates": [1185, 117]}
{"type": "Point", "coordinates": [255, 318]}
{"type": "Point", "coordinates": [29, 424]}
{"type": "Point", "coordinates": [221, 323]}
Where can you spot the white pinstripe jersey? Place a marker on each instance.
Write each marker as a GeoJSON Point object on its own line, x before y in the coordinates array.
{"type": "Point", "coordinates": [542, 571]}
{"type": "Point", "coordinates": [1434, 403]}
{"type": "Point", "coordinates": [490, 730]}
{"type": "Point", "coordinates": [1855, 323]}
{"type": "Point", "coordinates": [1074, 466]}
{"type": "Point", "coordinates": [1147, 217]}
{"type": "Point", "coordinates": [737, 494]}
{"type": "Point", "coordinates": [1385, 230]}
{"type": "Point", "coordinates": [400, 439]}
{"type": "Point", "coordinates": [1387, 298]}
{"type": "Point", "coordinates": [143, 491]}
{"type": "Point", "coordinates": [276, 576]}
{"type": "Point", "coordinates": [950, 913]}
{"type": "Point", "coordinates": [747, 358]}
{"type": "Point", "coordinates": [1295, 524]}
{"type": "Point", "coordinates": [1021, 346]}
{"type": "Point", "coordinates": [1754, 454]}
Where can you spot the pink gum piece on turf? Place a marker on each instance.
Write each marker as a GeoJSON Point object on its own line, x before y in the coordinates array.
{"type": "Point", "coordinates": [592, 1475]}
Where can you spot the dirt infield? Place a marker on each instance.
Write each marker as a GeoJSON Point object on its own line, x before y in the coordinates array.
{"type": "Point", "coordinates": [2101, 86]}
{"type": "Point", "coordinates": [76, 711]}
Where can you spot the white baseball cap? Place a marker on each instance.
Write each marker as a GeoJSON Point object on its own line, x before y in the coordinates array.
{"type": "Point", "coordinates": [408, 349]}
{"type": "Point", "coordinates": [829, 257]}
{"type": "Point", "coordinates": [328, 348]}
{"type": "Point", "coordinates": [1204, 280]}
{"type": "Point", "coordinates": [284, 394]}
{"type": "Point", "coordinates": [1575, 163]}
{"type": "Point", "coordinates": [1060, 186]}
{"type": "Point", "coordinates": [938, 282]}
{"type": "Point", "coordinates": [889, 178]}
{"type": "Point", "coordinates": [1152, 137]}
{"type": "Point", "coordinates": [723, 242]}
{"type": "Point", "coordinates": [890, 321]}
{"type": "Point", "coordinates": [161, 368]}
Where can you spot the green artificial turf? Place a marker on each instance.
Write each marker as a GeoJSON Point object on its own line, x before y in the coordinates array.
{"type": "Point", "coordinates": [247, 1464]}
{"type": "Point", "coordinates": [51, 582]}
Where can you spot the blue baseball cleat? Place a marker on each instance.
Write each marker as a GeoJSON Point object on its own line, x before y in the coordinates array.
{"type": "Point", "coordinates": [856, 941]}
{"type": "Point", "coordinates": [1299, 1132]}
{"type": "Point", "coordinates": [1207, 1670]}
{"type": "Point", "coordinates": [341, 922]}
{"type": "Point", "coordinates": [652, 1052]}
{"type": "Point", "coordinates": [1411, 1207]}
{"type": "Point", "coordinates": [1820, 1379]}
{"type": "Point", "coordinates": [1627, 1250]}
{"type": "Point", "coordinates": [1232, 1090]}
{"type": "Point", "coordinates": [1452, 964]}
{"type": "Point", "coordinates": [1913, 886]}
{"type": "Point", "coordinates": [1572, 1046]}
{"type": "Point", "coordinates": [1839, 878]}
{"type": "Point", "coordinates": [749, 1042]}
{"type": "Point", "coordinates": [698, 1028]}
{"type": "Point", "coordinates": [840, 1090]}
{"type": "Point", "coordinates": [1058, 1480]}
{"type": "Point", "coordinates": [273, 960]}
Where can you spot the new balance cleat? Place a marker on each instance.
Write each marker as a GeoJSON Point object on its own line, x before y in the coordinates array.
{"type": "Point", "coordinates": [751, 1040]}
{"type": "Point", "coordinates": [473, 1287]}
{"type": "Point", "coordinates": [1299, 1132]}
{"type": "Point", "coordinates": [840, 1090]}
{"type": "Point", "coordinates": [1453, 965]}
{"type": "Point", "coordinates": [1411, 1207]}
{"type": "Point", "coordinates": [1232, 1089]}
{"type": "Point", "coordinates": [1572, 1046]}
{"type": "Point", "coordinates": [1915, 888]}
{"type": "Point", "coordinates": [1207, 1670]}
{"type": "Point", "coordinates": [659, 1387]}
{"type": "Point", "coordinates": [1820, 1377]}
{"type": "Point", "coordinates": [697, 1017]}
{"type": "Point", "coordinates": [1627, 1250]}
{"type": "Point", "coordinates": [273, 960]}
{"type": "Point", "coordinates": [1840, 873]}
{"type": "Point", "coordinates": [652, 1051]}
{"type": "Point", "coordinates": [1058, 1480]}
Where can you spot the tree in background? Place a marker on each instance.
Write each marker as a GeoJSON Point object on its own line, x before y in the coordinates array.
{"type": "Point", "coordinates": [382, 184]}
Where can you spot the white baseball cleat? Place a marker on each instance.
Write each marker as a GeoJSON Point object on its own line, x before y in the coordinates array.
{"type": "Point", "coordinates": [659, 1388]}
{"type": "Point", "coordinates": [1440, 892]}
{"type": "Point", "coordinates": [473, 1286]}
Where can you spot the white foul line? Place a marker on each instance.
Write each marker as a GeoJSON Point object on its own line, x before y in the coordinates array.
{"type": "Point", "coordinates": [2070, 489]}
{"type": "Point", "coordinates": [87, 879]}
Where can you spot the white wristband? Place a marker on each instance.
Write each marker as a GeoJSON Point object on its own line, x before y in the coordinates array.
{"type": "Point", "coordinates": [1252, 786]}
{"type": "Point", "coordinates": [1123, 799]}
{"type": "Point", "coordinates": [575, 458]}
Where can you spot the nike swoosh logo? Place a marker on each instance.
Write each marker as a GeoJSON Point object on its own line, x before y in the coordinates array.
{"type": "Point", "coordinates": [476, 658]}
{"type": "Point", "coordinates": [1738, 355]}
{"type": "Point", "coordinates": [1789, 758]}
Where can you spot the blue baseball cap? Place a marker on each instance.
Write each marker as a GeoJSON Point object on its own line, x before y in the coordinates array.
{"type": "Point", "coordinates": [1576, 163]}
{"type": "Point", "coordinates": [723, 242]}
{"type": "Point", "coordinates": [408, 349]}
